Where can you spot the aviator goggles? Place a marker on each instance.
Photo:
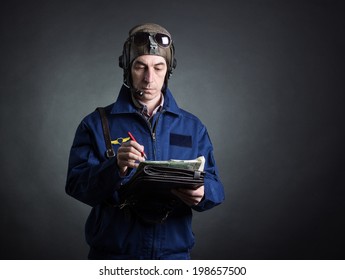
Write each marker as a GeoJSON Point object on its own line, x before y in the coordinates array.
{"type": "Point", "coordinates": [143, 38]}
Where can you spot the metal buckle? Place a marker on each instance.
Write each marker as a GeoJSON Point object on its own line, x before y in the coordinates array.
{"type": "Point", "coordinates": [110, 153]}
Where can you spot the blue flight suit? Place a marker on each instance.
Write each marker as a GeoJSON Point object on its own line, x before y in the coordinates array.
{"type": "Point", "coordinates": [94, 179]}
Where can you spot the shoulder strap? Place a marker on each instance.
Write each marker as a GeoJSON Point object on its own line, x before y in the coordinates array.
{"type": "Point", "coordinates": [110, 151]}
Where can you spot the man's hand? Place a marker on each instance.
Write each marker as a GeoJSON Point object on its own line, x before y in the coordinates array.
{"type": "Point", "coordinates": [189, 196]}
{"type": "Point", "coordinates": [129, 155]}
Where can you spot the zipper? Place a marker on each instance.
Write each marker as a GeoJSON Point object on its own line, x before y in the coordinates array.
{"type": "Point", "coordinates": [152, 129]}
{"type": "Point", "coordinates": [155, 125]}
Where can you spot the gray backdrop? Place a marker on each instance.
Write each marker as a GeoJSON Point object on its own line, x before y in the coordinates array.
{"type": "Point", "coordinates": [266, 77]}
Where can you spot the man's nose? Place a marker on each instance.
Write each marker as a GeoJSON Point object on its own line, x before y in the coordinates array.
{"type": "Point", "coordinates": [149, 75]}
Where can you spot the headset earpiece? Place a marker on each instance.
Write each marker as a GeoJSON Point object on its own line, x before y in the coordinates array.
{"type": "Point", "coordinates": [173, 62]}
{"type": "Point", "coordinates": [124, 58]}
{"type": "Point", "coordinates": [121, 63]}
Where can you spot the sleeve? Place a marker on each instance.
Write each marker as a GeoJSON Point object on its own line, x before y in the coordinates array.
{"type": "Point", "coordinates": [91, 179]}
{"type": "Point", "coordinates": [214, 190]}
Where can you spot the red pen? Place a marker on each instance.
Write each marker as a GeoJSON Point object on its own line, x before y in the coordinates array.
{"type": "Point", "coordinates": [132, 138]}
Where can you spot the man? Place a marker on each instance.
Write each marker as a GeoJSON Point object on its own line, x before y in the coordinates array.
{"type": "Point", "coordinates": [146, 108]}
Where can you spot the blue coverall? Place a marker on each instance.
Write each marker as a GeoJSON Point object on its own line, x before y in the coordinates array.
{"type": "Point", "coordinates": [93, 179]}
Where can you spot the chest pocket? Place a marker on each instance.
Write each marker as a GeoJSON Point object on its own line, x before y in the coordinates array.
{"type": "Point", "coordinates": [181, 140]}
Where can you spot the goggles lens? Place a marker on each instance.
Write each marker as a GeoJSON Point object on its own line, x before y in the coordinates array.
{"type": "Point", "coordinates": [142, 38]}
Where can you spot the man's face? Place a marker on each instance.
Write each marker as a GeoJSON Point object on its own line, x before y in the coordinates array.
{"type": "Point", "coordinates": [148, 74]}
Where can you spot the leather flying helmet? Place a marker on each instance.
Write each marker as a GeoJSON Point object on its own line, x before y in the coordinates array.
{"type": "Point", "coordinates": [148, 38]}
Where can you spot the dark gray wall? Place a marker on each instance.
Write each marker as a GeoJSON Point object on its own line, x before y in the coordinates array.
{"type": "Point", "coordinates": [266, 77]}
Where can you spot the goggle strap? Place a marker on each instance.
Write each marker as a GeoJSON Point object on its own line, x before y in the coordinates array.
{"type": "Point", "coordinates": [153, 46]}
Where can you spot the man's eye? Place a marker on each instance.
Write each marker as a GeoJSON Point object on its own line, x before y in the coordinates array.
{"type": "Point", "coordinates": [139, 67]}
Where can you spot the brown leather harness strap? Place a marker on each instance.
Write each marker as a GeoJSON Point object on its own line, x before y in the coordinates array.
{"type": "Point", "coordinates": [109, 148]}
